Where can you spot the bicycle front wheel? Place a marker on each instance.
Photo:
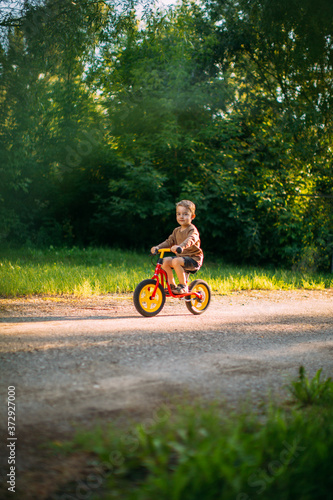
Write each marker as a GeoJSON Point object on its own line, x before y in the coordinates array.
{"type": "Point", "coordinates": [144, 303]}
{"type": "Point", "coordinates": [195, 305]}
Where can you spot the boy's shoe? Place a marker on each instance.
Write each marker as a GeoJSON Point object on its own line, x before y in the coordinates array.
{"type": "Point", "coordinates": [172, 286]}
{"type": "Point", "coordinates": [180, 289]}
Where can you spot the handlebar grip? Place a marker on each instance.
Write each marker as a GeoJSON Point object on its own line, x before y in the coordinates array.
{"type": "Point", "coordinates": [179, 249]}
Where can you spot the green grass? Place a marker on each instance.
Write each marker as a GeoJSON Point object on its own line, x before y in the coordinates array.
{"type": "Point", "coordinates": [198, 452]}
{"type": "Point", "coordinates": [94, 271]}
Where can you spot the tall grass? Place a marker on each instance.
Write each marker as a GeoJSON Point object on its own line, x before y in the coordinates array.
{"type": "Point", "coordinates": [224, 278]}
{"type": "Point", "coordinates": [94, 271]}
{"type": "Point", "coordinates": [197, 452]}
{"type": "Point", "coordinates": [80, 272]}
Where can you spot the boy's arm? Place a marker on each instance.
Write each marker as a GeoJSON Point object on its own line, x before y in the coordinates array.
{"type": "Point", "coordinates": [192, 238]}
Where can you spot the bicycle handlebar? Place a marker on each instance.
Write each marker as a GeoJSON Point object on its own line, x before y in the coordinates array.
{"type": "Point", "coordinates": [163, 250]}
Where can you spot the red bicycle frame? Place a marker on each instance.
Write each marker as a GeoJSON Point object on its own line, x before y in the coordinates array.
{"type": "Point", "coordinates": [161, 277]}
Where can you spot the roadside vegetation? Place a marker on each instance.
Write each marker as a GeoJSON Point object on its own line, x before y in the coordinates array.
{"type": "Point", "coordinates": [112, 111]}
{"type": "Point", "coordinates": [199, 451]}
{"type": "Point", "coordinates": [96, 271]}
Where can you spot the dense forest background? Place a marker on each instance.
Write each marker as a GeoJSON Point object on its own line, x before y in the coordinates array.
{"type": "Point", "coordinates": [110, 112]}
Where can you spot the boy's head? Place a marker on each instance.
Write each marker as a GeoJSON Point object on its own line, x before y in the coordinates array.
{"type": "Point", "coordinates": [187, 204]}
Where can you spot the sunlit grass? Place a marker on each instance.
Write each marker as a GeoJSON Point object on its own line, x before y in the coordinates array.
{"type": "Point", "coordinates": [224, 279]}
{"type": "Point", "coordinates": [74, 271]}
{"type": "Point", "coordinates": [95, 271]}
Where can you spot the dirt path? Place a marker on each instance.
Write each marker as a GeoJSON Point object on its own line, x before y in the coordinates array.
{"type": "Point", "coordinates": [78, 361]}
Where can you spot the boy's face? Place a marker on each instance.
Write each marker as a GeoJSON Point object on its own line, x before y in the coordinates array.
{"type": "Point", "coordinates": [184, 216]}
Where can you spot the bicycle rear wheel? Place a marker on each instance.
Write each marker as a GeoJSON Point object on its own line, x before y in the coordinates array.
{"type": "Point", "coordinates": [195, 305]}
{"type": "Point", "coordinates": [143, 302]}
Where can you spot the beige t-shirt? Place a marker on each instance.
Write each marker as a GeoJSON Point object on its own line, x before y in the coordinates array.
{"type": "Point", "coordinates": [188, 239]}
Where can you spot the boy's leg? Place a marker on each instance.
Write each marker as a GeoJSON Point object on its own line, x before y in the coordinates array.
{"type": "Point", "coordinates": [167, 266]}
{"type": "Point", "coordinates": [178, 265]}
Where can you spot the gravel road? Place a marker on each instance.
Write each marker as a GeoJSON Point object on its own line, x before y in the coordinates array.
{"type": "Point", "coordinates": [81, 360]}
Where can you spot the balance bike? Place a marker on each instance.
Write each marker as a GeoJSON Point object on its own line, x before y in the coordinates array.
{"type": "Point", "coordinates": [150, 294]}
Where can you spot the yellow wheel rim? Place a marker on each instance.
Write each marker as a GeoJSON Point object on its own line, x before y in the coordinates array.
{"type": "Point", "coordinates": [200, 304]}
{"type": "Point", "coordinates": [148, 304]}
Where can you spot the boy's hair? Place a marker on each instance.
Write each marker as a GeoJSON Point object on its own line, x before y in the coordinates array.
{"type": "Point", "coordinates": [187, 204]}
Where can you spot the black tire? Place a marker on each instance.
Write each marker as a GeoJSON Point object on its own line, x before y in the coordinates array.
{"type": "Point", "coordinates": [193, 304]}
{"type": "Point", "coordinates": [141, 298]}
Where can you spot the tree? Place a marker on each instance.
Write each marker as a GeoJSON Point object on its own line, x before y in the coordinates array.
{"type": "Point", "coordinates": [160, 97]}
{"type": "Point", "coordinates": [281, 54]}
{"type": "Point", "coordinates": [47, 111]}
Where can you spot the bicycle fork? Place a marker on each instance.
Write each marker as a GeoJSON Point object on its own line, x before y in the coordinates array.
{"type": "Point", "coordinates": [164, 279]}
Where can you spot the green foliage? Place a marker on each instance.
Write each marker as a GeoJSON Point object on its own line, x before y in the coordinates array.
{"type": "Point", "coordinates": [282, 66]}
{"type": "Point", "coordinates": [199, 451]}
{"type": "Point", "coordinates": [105, 122]}
{"type": "Point", "coordinates": [311, 391]}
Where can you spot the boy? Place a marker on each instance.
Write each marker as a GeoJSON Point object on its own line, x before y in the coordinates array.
{"type": "Point", "coordinates": [187, 237]}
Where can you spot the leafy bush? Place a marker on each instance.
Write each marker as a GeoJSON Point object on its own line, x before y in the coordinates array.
{"type": "Point", "coordinates": [311, 391]}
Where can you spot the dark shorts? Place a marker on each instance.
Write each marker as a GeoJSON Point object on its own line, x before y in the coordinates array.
{"type": "Point", "coordinates": [190, 264]}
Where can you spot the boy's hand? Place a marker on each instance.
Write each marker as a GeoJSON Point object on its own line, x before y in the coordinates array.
{"type": "Point", "coordinates": [175, 249]}
{"type": "Point", "coordinates": [153, 250]}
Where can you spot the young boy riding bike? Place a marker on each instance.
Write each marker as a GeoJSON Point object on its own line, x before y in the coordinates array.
{"type": "Point", "coordinates": [187, 237]}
